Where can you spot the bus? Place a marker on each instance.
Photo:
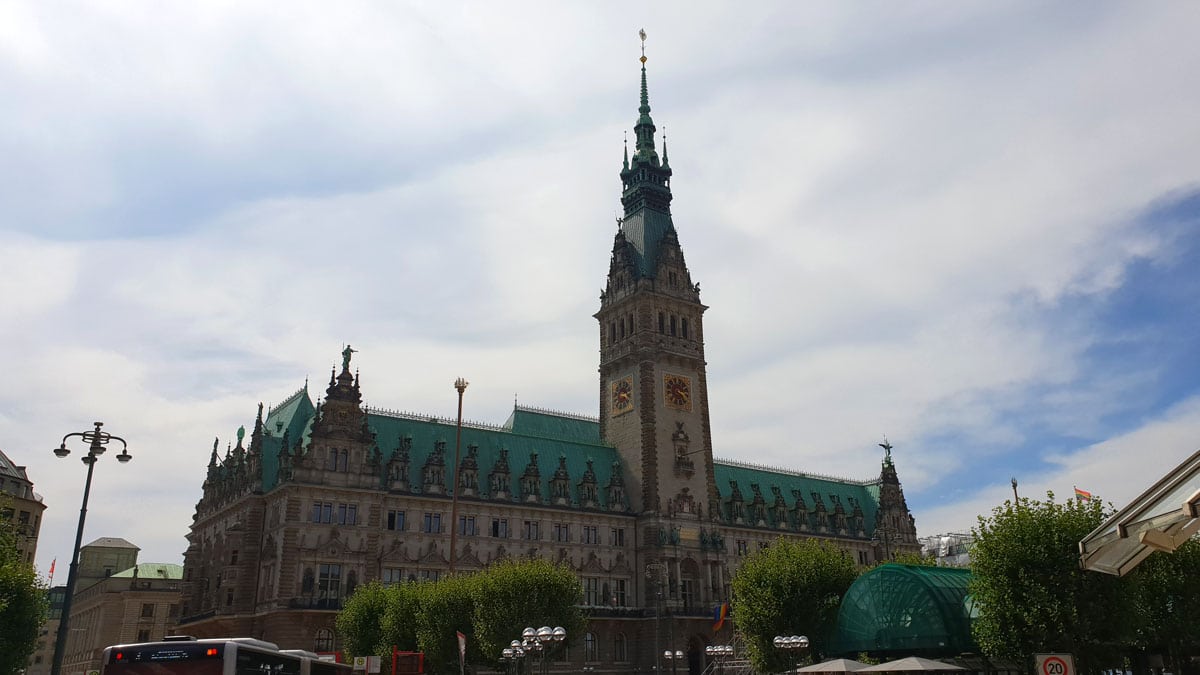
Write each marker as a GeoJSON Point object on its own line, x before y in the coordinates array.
{"type": "Point", "coordinates": [185, 655]}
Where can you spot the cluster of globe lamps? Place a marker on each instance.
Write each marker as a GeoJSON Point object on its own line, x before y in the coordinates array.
{"type": "Point", "coordinates": [534, 641]}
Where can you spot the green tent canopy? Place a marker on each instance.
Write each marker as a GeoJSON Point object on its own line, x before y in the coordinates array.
{"type": "Point", "coordinates": [909, 609]}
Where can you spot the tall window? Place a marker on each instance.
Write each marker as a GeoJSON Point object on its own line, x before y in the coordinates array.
{"type": "Point", "coordinates": [143, 635]}
{"type": "Point", "coordinates": [431, 523]}
{"type": "Point", "coordinates": [466, 526]}
{"type": "Point", "coordinates": [562, 532]}
{"type": "Point", "coordinates": [329, 582]}
{"type": "Point", "coordinates": [616, 537]}
{"type": "Point", "coordinates": [395, 520]}
{"type": "Point", "coordinates": [589, 648]}
{"type": "Point", "coordinates": [531, 530]}
{"type": "Point", "coordinates": [591, 534]}
{"type": "Point", "coordinates": [619, 598]}
{"type": "Point", "coordinates": [743, 547]}
{"type": "Point", "coordinates": [500, 527]}
{"type": "Point", "coordinates": [351, 582]}
{"type": "Point", "coordinates": [591, 591]}
{"type": "Point", "coordinates": [324, 640]}
{"type": "Point", "coordinates": [147, 611]}
{"type": "Point", "coordinates": [620, 650]}
{"type": "Point", "coordinates": [392, 575]}
{"type": "Point", "coordinates": [683, 327]}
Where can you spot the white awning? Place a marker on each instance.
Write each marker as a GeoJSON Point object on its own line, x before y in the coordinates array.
{"type": "Point", "coordinates": [1160, 519]}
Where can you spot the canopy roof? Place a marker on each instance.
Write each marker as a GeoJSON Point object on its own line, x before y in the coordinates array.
{"type": "Point", "coordinates": [906, 609]}
{"type": "Point", "coordinates": [1160, 519]}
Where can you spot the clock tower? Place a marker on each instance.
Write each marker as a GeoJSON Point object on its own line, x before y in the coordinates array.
{"type": "Point", "coordinates": [653, 389]}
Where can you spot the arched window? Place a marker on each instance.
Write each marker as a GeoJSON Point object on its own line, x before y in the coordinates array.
{"type": "Point", "coordinates": [324, 640]}
{"type": "Point", "coordinates": [662, 323]}
{"type": "Point", "coordinates": [589, 648]}
{"type": "Point", "coordinates": [620, 651]}
{"type": "Point", "coordinates": [344, 463]}
{"type": "Point", "coordinates": [333, 459]}
{"type": "Point", "coordinates": [683, 327]}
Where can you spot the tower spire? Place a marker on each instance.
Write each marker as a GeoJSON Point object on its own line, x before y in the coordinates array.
{"type": "Point", "coordinates": [645, 125]}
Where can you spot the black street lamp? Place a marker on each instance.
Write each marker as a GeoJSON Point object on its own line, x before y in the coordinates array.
{"type": "Point", "coordinates": [96, 440]}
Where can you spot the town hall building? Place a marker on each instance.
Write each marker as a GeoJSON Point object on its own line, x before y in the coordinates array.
{"type": "Point", "coordinates": [324, 496]}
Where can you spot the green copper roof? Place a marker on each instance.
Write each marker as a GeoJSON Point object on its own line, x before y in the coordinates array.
{"type": "Point", "coordinates": [644, 230]}
{"type": "Point", "coordinates": [153, 571]}
{"type": "Point", "coordinates": [910, 609]}
{"type": "Point", "coordinates": [746, 475]}
{"type": "Point", "coordinates": [549, 424]}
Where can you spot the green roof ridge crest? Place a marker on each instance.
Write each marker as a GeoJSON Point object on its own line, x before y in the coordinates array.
{"type": "Point", "coordinates": [558, 413]}
{"type": "Point", "coordinates": [291, 397]}
{"type": "Point", "coordinates": [418, 417]}
{"type": "Point", "coordinates": [792, 472]}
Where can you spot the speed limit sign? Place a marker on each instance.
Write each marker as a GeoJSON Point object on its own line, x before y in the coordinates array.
{"type": "Point", "coordinates": [1055, 664]}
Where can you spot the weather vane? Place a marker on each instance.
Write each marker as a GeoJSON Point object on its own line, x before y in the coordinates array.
{"type": "Point", "coordinates": [642, 34]}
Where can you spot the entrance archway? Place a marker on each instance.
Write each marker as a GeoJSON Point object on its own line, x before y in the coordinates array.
{"type": "Point", "coordinates": [696, 660]}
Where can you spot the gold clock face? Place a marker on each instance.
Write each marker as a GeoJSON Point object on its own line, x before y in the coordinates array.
{"type": "Point", "coordinates": [622, 395]}
{"type": "Point", "coordinates": [677, 391]}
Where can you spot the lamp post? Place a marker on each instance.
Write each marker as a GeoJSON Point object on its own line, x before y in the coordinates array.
{"type": "Point", "coordinates": [540, 641]}
{"type": "Point", "coordinates": [96, 440]}
{"type": "Point", "coordinates": [719, 653]}
{"type": "Point", "coordinates": [792, 645]}
{"type": "Point", "coordinates": [513, 654]}
{"type": "Point", "coordinates": [673, 657]}
{"type": "Point", "coordinates": [461, 385]}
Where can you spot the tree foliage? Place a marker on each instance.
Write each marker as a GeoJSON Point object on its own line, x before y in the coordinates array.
{"type": "Point", "coordinates": [1032, 594]}
{"type": "Point", "coordinates": [22, 600]}
{"type": "Point", "coordinates": [1166, 601]}
{"type": "Point", "coordinates": [490, 607]}
{"type": "Point", "coordinates": [527, 593]}
{"type": "Point", "coordinates": [789, 588]}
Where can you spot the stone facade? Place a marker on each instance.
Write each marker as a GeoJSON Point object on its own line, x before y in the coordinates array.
{"type": "Point", "coordinates": [326, 496]}
{"type": "Point", "coordinates": [26, 506]}
{"type": "Point", "coordinates": [117, 601]}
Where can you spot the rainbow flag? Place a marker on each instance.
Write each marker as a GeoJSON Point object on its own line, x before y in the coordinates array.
{"type": "Point", "coordinates": [1083, 495]}
{"type": "Point", "coordinates": [720, 612]}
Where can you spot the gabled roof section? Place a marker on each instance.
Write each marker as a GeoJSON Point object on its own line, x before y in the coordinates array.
{"type": "Point", "coordinates": [153, 571]}
{"type": "Point", "coordinates": [292, 415]}
{"type": "Point", "coordinates": [112, 542]}
{"type": "Point", "coordinates": [551, 424]}
{"type": "Point", "coordinates": [865, 492]}
{"type": "Point", "coordinates": [9, 468]}
{"type": "Point", "coordinates": [528, 431]}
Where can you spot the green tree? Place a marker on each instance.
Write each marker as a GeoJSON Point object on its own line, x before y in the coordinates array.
{"type": "Point", "coordinates": [513, 594]}
{"type": "Point", "coordinates": [1166, 592]}
{"type": "Point", "coordinates": [789, 588]}
{"type": "Point", "coordinates": [22, 600]}
{"type": "Point", "coordinates": [360, 623]}
{"type": "Point", "coordinates": [446, 608]}
{"type": "Point", "coordinates": [1033, 596]}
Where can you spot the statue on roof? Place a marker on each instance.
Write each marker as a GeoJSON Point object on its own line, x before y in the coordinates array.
{"type": "Point", "coordinates": [887, 450]}
{"type": "Point", "coordinates": [346, 353]}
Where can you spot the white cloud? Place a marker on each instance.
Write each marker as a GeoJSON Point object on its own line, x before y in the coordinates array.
{"type": "Point", "coordinates": [888, 213]}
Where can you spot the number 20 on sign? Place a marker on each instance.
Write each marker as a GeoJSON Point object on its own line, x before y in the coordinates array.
{"type": "Point", "coordinates": [1055, 664]}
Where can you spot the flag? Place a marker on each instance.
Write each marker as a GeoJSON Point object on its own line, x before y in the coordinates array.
{"type": "Point", "coordinates": [720, 612]}
{"type": "Point", "coordinates": [462, 646]}
{"type": "Point", "coordinates": [1083, 495]}
{"type": "Point", "coordinates": [52, 562]}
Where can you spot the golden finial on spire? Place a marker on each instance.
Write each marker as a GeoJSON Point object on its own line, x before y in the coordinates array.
{"type": "Point", "coordinates": [642, 34]}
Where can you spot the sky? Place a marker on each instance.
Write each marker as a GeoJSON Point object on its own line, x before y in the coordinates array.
{"type": "Point", "coordinates": [970, 228]}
